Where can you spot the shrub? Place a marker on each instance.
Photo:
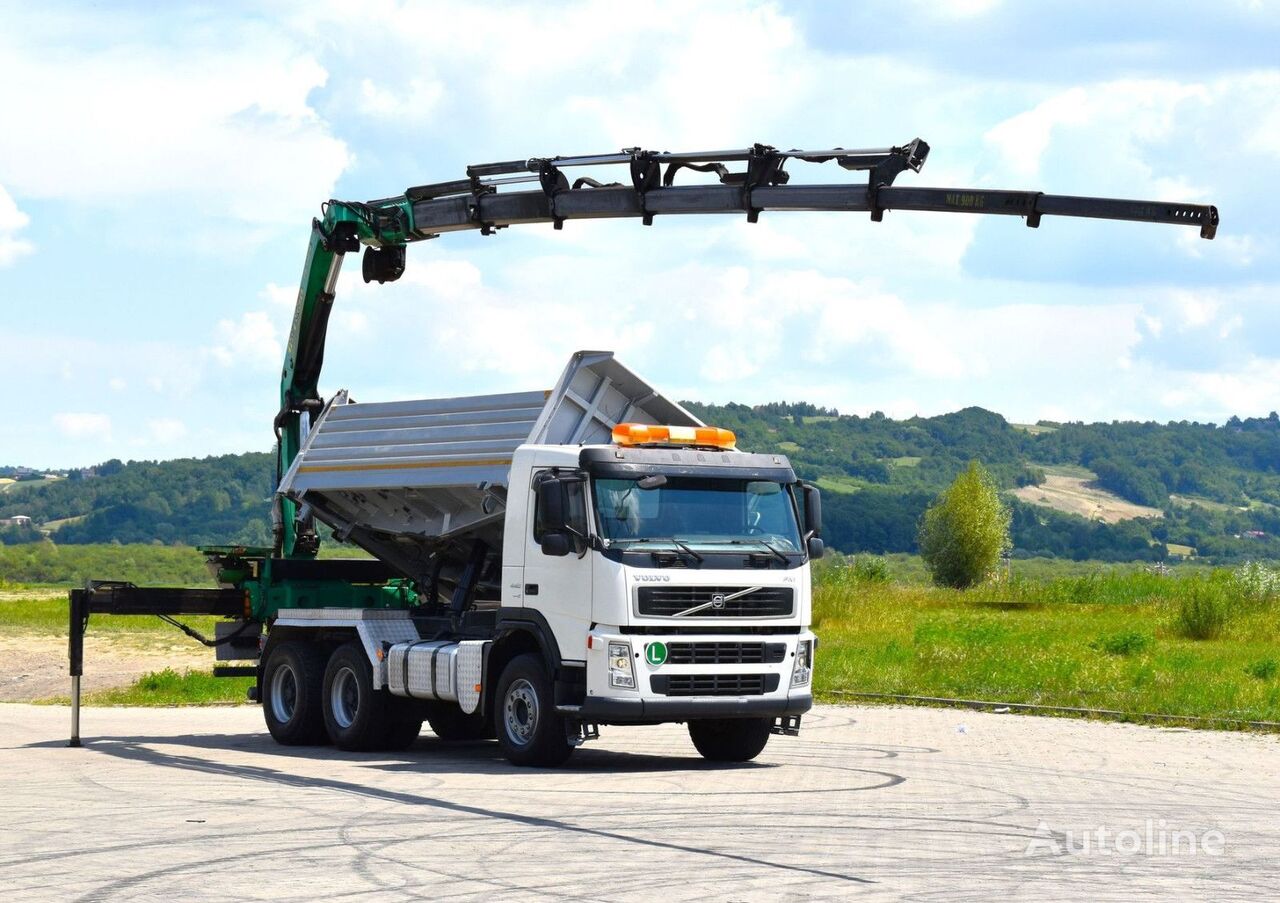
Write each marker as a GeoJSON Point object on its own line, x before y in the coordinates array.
{"type": "Point", "coordinates": [1255, 583]}
{"type": "Point", "coordinates": [1203, 611]}
{"type": "Point", "coordinates": [1128, 643]}
{"type": "Point", "coordinates": [965, 530]}
{"type": "Point", "coordinates": [1264, 669]}
{"type": "Point", "coordinates": [869, 569]}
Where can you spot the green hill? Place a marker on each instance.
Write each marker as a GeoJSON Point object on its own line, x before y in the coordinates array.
{"type": "Point", "coordinates": [212, 500]}
{"type": "Point", "coordinates": [1214, 489]}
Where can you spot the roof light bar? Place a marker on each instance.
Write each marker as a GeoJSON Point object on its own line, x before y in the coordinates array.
{"type": "Point", "coordinates": [631, 434]}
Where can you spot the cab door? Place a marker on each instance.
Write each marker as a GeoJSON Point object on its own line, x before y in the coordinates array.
{"type": "Point", "coordinates": [560, 586]}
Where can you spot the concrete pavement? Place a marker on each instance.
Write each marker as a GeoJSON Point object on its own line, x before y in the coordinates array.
{"type": "Point", "coordinates": [879, 803]}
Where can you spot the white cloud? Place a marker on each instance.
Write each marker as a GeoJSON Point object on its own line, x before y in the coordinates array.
{"type": "Point", "coordinates": [83, 425]}
{"type": "Point", "coordinates": [12, 221]}
{"type": "Point", "coordinates": [659, 77]}
{"type": "Point", "coordinates": [416, 101]}
{"type": "Point", "coordinates": [166, 430]}
{"type": "Point", "coordinates": [251, 341]}
{"type": "Point", "coordinates": [1129, 113]}
{"type": "Point", "coordinates": [209, 124]}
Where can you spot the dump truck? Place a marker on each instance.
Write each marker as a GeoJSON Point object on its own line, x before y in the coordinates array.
{"type": "Point", "coordinates": [539, 563]}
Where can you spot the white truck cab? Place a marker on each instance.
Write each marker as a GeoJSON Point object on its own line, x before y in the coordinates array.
{"type": "Point", "coordinates": [677, 577]}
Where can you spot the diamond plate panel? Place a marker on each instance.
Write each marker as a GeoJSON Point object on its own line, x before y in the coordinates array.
{"type": "Point", "coordinates": [470, 670]}
{"type": "Point", "coordinates": [373, 633]}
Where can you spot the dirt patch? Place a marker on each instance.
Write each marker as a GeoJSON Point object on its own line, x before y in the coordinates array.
{"type": "Point", "coordinates": [1076, 495]}
{"type": "Point", "coordinates": [36, 665]}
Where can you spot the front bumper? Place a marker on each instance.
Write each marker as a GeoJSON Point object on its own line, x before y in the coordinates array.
{"type": "Point", "coordinates": [636, 710]}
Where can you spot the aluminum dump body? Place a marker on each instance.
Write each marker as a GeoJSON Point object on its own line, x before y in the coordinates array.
{"type": "Point", "coordinates": [401, 477]}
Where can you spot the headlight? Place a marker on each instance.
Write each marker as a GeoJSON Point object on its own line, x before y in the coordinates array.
{"type": "Point", "coordinates": [620, 673]}
{"type": "Point", "coordinates": [802, 670]}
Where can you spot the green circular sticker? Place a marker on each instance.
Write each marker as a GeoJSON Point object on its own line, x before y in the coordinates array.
{"type": "Point", "coordinates": [655, 653]}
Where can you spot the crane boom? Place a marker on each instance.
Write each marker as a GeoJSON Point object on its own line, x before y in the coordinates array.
{"type": "Point", "coordinates": [482, 202]}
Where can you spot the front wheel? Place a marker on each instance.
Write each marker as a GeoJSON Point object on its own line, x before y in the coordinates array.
{"type": "Point", "coordinates": [730, 739]}
{"type": "Point", "coordinates": [529, 730]}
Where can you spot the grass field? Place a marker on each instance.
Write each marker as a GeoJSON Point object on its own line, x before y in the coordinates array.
{"type": "Point", "coordinates": [1056, 633]}
{"type": "Point", "coordinates": [1111, 640]}
{"type": "Point", "coordinates": [839, 484]}
{"type": "Point", "coordinates": [170, 687]}
{"type": "Point", "coordinates": [43, 612]}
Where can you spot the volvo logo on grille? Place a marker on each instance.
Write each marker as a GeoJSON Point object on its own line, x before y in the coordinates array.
{"type": "Point", "coordinates": [717, 600]}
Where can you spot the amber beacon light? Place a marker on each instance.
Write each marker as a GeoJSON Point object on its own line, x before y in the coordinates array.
{"type": "Point", "coordinates": [651, 434]}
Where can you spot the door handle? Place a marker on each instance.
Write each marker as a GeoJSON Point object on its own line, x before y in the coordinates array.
{"type": "Point", "coordinates": [531, 589]}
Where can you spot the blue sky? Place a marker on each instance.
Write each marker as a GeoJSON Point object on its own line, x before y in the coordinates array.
{"type": "Point", "coordinates": [159, 170]}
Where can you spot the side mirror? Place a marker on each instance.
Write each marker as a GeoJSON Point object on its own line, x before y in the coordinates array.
{"type": "Point", "coordinates": [816, 548]}
{"type": "Point", "coordinates": [558, 544]}
{"type": "Point", "coordinates": [812, 511]}
{"type": "Point", "coordinates": [551, 505]}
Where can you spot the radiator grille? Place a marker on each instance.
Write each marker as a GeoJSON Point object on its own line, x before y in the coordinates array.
{"type": "Point", "coordinates": [669, 601]}
{"type": "Point", "coordinates": [725, 653]}
{"type": "Point", "coordinates": [713, 684]}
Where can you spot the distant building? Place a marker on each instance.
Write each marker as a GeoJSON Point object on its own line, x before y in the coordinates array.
{"type": "Point", "coordinates": [1255, 534]}
{"type": "Point", "coordinates": [18, 520]}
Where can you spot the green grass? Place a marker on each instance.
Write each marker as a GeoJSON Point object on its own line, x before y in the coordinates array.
{"type": "Point", "coordinates": [789, 447]}
{"type": "Point", "coordinates": [169, 687]}
{"type": "Point", "coordinates": [1065, 470]}
{"type": "Point", "coordinates": [1110, 641]}
{"type": "Point", "coordinates": [839, 484]}
{"type": "Point", "coordinates": [904, 461]}
{"type": "Point", "coordinates": [44, 611]}
{"type": "Point", "coordinates": [55, 525]}
{"type": "Point", "coordinates": [1034, 429]}
{"type": "Point", "coordinates": [50, 564]}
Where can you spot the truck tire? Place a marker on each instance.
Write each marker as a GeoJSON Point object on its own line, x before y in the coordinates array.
{"type": "Point", "coordinates": [402, 725]}
{"type": "Point", "coordinates": [730, 739]}
{"type": "Point", "coordinates": [291, 689]}
{"type": "Point", "coordinates": [448, 722]}
{"type": "Point", "coordinates": [356, 716]}
{"type": "Point", "coordinates": [529, 730]}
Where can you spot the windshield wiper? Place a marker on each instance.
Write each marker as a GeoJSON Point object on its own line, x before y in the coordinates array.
{"type": "Point", "coordinates": [775, 550]}
{"type": "Point", "coordinates": [763, 542]}
{"type": "Point", "coordinates": [675, 542]}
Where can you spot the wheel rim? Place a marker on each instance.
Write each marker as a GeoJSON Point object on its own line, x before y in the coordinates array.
{"type": "Point", "coordinates": [284, 694]}
{"type": "Point", "coordinates": [521, 706]}
{"type": "Point", "coordinates": [344, 697]}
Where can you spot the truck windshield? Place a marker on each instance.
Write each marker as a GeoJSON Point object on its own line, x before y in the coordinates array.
{"type": "Point", "coordinates": [697, 512]}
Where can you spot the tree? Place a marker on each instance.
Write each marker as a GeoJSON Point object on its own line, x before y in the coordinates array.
{"type": "Point", "coordinates": [965, 530]}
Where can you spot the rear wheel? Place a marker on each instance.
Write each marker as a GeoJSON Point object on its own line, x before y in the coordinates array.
{"type": "Point", "coordinates": [292, 686]}
{"type": "Point", "coordinates": [403, 724]}
{"type": "Point", "coordinates": [730, 739]}
{"type": "Point", "coordinates": [356, 715]}
{"type": "Point", "coordinates": [525, 719]}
